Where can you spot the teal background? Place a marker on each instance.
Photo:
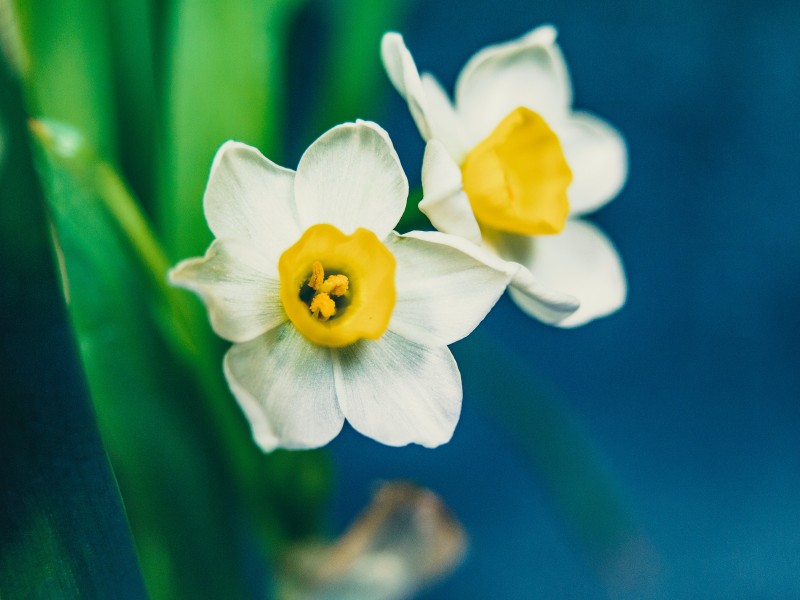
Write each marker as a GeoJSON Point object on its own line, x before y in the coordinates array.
{"type": "Point", "coordinates": [688, 397]}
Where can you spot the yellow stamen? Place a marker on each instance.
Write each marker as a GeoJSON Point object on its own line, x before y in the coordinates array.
{"type": "Point", "coordinates": [335, 285]}
{"type": "Point", "coordinates": [317, 275]}
{"type": "Point", "coordinates": [323, 307]}
{"type": "Point", "coordinates": [517, 178]}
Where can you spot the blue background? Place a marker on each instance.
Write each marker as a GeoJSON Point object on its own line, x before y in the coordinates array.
{"type": "Point", "coordinates": [688, 398]}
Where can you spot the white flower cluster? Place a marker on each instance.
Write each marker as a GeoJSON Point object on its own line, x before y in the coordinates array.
{"type": "Point", "coordinates": [335, 316]}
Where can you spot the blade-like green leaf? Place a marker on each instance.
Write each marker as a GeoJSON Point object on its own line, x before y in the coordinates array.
{"type": "Point", "coordinates": [283, 491]}
{"type": "Point", "coordinates": [138, 389]}
{"type": "Point", "coordinates": [132, 28]}
{"type": "Point", "coordinates": [582, 488]}
{"type": "Point", "coordinates": [63, 531]}
{"type": "Point", "coordinates": [164, 450]}
{"type": "Point", "coordinates": [69, 72]}
{"type": "Point", "coordinates": [224, 81]}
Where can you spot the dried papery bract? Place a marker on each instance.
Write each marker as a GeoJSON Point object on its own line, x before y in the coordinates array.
{"type": "Point", "coordinates": [405, 539]}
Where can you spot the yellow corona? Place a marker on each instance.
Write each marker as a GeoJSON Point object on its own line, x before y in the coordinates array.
{"type": "Point", "coordinates": [336, 288]}
{"type": "Point", "coordinates": [517, 178]}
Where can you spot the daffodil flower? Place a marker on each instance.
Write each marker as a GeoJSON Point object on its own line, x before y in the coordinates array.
{"type": "Point", "coordinates": [513, 167]}
{"type": "Point", "coordinates": [333, 315]}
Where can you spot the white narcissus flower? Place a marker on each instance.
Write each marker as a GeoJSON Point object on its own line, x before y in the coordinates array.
{"type": "Point", "coordinates": [333, 315]}
{"type": "Point", "coordinates": [512, 167]}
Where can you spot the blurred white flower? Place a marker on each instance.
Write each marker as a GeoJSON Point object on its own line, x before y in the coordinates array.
{"type": "Point", "coordinates": [332, 314]}
{"type": "Point", "coordinates": [512, 166]}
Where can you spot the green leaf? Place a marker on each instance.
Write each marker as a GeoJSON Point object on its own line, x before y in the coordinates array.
{"type": "Point", "coordinates": [68, 77]}
{"type": "Point", "coordinates": [164, 449]}
{"type": "Point", "coordinates": [107, 237]}
{"type": "Point", "coordinates": [63, 530]}
{"type": "Point", "coordinates": [284, 492]}
{"type": "Point", "coordinates": [181, 448]}
{"type": "Point", "coordinates": [224, 81]}
{"type": "Point", "coordinates": [584, 490]}
{"type": "Point", "coordinates": [133, 34]}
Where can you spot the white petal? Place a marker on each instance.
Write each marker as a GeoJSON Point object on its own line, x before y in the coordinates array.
{"type": "Point", "coordinates": [444, 121]}
{"type": "Point", "coordinates": [529, 72]}
{"type": "Point", "coordinates": [285, 386]}
{"type": "Point", "coordinates": [249, 198]}
{"type": "Point", "coordinates": [442, 292]}
{"type": "Point", "coordinates": [580, 261]}
{"type": "Point", "coordinates": [430, 107]}
{"type": "Point", "coordinates": [444, 201]}
{"type": "Point", "coordinates": [404, 76]}
{"type": "Point", "coordinates": [351, 177]}
{"type": "Point", "coordinates": [552, 305]}
{"type": "Point", "coordinates": [539, 300]}
{"type": "Point", "coordinates": [596, 153]}
{"type": "Point", "coordinates": [239, 286]}
{"type": "Point", "coordinates": [399, 392]}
